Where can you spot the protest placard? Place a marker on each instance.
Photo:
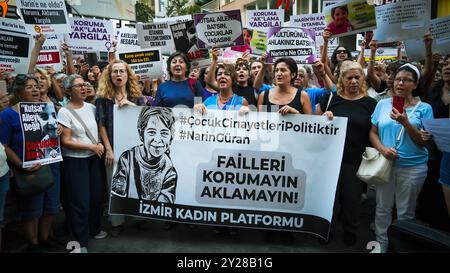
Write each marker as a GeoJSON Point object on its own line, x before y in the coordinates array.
{"type": "Point", "coordinates": [403, 20]}
{"type": "Point", "coordinates": [146, 63]}
{"type": "Point", "coordinates": [263, 19]}
{"type": "Point", "coordinates": [15, 46]}
{"type": "Point", "coordinates": [440, 30]}
{"type": "Point", "coordinates": [40, 133]}
{"type": "Point", "coordinates": [317, 23]}
{"type": "Point", "coordinates": [185, 39]}
{"type": "Point", "coordinates": [258, 43]}
{"type": "Point", "coordinates": [50, 54]}
{"type": "Point", "coordinates": [297, 43]}
{"type": "Point", "coordinates": [90, 35]}
{"type": "Point", "coordinates": [326, 3]}
{"type": "Point", "coordinates": [349, 17]}
{"type": "Point", "coordinates": [228, 169]}
{"type": "Point", "coordinates": [440, 129]}
{"type": "Point", "coordinates": [156, 35]}
{"type": "Point", "coordinates": [44, 16]}
{"type": "Point", "coordinates": [176, 19]}
{"type": "Point", "coordinates": [127, 40]}
{"type": "Point", "coordinates": [219, 29]}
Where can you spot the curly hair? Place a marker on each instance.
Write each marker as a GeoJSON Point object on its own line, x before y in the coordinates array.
{"type": "Point", "coordinates": [106, 88]}
{"type": "Point", "coordinates": [346, 66]}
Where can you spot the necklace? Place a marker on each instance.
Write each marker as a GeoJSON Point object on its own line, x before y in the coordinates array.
{"type": "Point", "coordinates": [224, 100]}
{"type": "Point", "coordinates": [121, 98]}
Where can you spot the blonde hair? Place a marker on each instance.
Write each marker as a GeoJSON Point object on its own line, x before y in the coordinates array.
{"type": "Point", "coordinates": [44, 73]}
{"type": "Point", "coordinates": [346, 66]}
{"type": "Point", "coordinates": [106, 88]}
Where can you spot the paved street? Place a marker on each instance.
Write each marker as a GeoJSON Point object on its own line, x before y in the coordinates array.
{"type": "Point", "coordinates": [150, 236]}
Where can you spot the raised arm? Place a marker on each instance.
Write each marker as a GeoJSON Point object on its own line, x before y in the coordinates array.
{"type": "Point", "coordinates": [375, 81]}
{"type": "Point", "coordinates": [259, 79]}
{"type": "Point", "coordinates": [69, 60]}
{"type": "Point", "coordinates": [361, 59]}
{"type": "Point", "coordinates": [40, 40]}
{"type": "Point", "coordinates": [210, 78]}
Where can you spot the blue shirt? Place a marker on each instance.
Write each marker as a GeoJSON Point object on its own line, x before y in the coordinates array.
{"type": "Point", "coordinates": [11, 131]}
{"type": "Point", "coordinates": [410, 154]}
{"type": "Point", "coordinates": [264, 88]}
{"type": "Point", "coordinates": [315, 94]}
{"type": "Point", "coordinates": [235, 103]}
{"type": "Point", "coordinates": [172, 93]}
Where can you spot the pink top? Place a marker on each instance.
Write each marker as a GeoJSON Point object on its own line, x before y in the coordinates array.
{"type": "Point", "coordinates": [346, 27]}
{"type": "Point", "coordinates": [243, 48]}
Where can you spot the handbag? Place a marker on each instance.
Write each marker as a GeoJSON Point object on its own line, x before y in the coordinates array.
{"type": "Point", "coordinates": [374, 167]}
{"type": "Point", "coordinates": [29, 184]}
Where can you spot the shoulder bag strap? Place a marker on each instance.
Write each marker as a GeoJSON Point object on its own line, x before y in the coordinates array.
{"type": "Point", "coordinates": [88, 132]}
{"type": "Point", "coordinates": [329, 101]}
{"type": "Point", "coordinates": [397, 142]}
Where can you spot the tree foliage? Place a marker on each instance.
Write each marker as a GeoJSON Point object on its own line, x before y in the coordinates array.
{"type": "Point", "coordinates": [144, 13]}
{"type": "Point", "coordinates": [182, 7]}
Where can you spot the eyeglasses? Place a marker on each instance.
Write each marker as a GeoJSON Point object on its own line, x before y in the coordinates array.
{"type": "Point", "coordinates": [119, 71]}
{"type": "Point", "coordinates": [341, 51]}
{"type": "Point", "coordinates": [80, 85]}
{"type": "Point", "coordinates": [405, 80]}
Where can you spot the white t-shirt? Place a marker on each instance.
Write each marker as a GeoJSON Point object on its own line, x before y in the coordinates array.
{"type": "Point", "coordinates": [87, 114]}
{"type": "Point", "coordinates": [3, 164]}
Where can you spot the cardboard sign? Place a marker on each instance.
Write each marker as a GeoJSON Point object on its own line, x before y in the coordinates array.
{"type": "Point", "coordinates": [90, 35]}
{"type": "Point", "coordinates": [403, 20]}
{"type": "Point", "coordinates": [156, 35]}
{"type": "Point", "coordinates": [185, 39]}
{"type": "Point", "coordinates": [292, 42]}
{"type": "Point", "coordinates": [40, 136]}
{"type": "Point", "coordinates": [44, 16]}
{"type": "Point", "coordinates": [127, 40]}
{"type": "Point", "coordinates": [15, 46]}
{"type": "Point", "coordinates": [219, 29]}
{"type": "Point", "coordinates": [50, 54]}
{"type": "Point", "coordinates": [349, 17]}
{"type": "Point", "coordinates": [263, 19]}
{"type": "Point", "coordinates": [145, 63]}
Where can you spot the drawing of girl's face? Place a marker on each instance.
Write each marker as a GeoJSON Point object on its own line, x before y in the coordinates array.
{"type": "Point", "coordinates": [340, 16]}
{"type": "Point", "coordinates": [157, 137]}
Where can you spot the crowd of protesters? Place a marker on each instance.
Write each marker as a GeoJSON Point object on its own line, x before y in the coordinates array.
{"type": "Point", "coordinates": [333, 86]}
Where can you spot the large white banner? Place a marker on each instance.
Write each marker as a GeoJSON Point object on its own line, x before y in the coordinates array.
{"type": "Point", "coordinates": [402, 20]}
{"type": "Point", "coordinates": [261, 170]}
{"type": "Point", "coordinates": [90, 35]}
{"type": "Point", "coordinates": [44, 16]}
{"type": "Point", "coordinates": [15, 46]}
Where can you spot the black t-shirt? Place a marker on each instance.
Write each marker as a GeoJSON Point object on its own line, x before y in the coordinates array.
{"type": "Point", "coordinates": [248, 93]}
{"type": "Point", "coordinates": [359, 113]}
